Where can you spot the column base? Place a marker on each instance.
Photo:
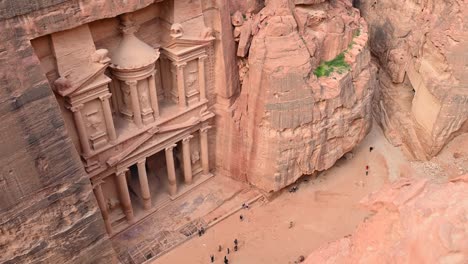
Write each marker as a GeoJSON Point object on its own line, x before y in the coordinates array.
{"type": "Point", "coordinates": [198, 179]}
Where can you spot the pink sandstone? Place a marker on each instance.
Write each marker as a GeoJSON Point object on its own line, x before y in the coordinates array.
{"type": "Point", "coordinates": [414, 221]}
{"type": "Point", "coordinates": [286, 121]}
{"type": "Point", "coordinates": [422, 99]}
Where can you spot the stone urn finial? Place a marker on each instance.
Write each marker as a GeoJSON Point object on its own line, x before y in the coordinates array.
{"type": "Point", "coordinates": [177, 31]}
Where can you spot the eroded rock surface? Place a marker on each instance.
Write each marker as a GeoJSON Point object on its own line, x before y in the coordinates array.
{"type": "Point", "coordinates": [415, 222]}
{"type": "Point", "coordinates": [423, 87]}
{"type": "Point", "coordinates": [287, 121]}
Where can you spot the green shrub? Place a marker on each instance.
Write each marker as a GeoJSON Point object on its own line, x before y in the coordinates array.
{"type": "Point", "coordinates": [357, 33]}
{"type": "Point", "coordinates": [337, 64]}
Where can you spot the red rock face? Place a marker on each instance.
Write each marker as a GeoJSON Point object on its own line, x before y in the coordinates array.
{"type": "Point", "coordinates": [288, 122]}
{"type": "Point", "coordinates": [414, 222]}
{"type": "Point", "coordinates": [421, 48]}
{"type": "Point", "coordinates": [48, 213]}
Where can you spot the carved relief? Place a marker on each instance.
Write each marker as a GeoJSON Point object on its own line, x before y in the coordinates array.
{"type": "Point", "coordinates": [94, 122]}
{"type": "Point", "coordinates": [192, 79]}
{"type": "Point", "coordinates": [144, 98]}
{"type": "Point", "coordinates": [126, 107]}
{"type": "Point", "coordinates": [195, 156]}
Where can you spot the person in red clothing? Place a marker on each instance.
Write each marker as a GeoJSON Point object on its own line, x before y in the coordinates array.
{"type": "Point", "coordinates": [367, 170]}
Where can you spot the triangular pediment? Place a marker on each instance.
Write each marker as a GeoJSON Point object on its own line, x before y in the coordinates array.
{"type": "Point", "coordinates": [142, 143]}
{"type": "Point", "coordinates": [78, 61]}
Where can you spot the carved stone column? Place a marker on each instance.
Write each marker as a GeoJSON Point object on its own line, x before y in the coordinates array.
{"type": "Point", "coordinates": [114, 87]}
{"type": "Point", "coordinates": [201, 77]}
{"type": "Point", "coordinates": [204, 149]}
{"type": "Point", "coordinates": [108, 117]}
{"type": "Point", "coordinates": [80, 126]}
{"type": "Point", "coordinates": [153, 95]}
{"type": "Point", "coordinates": [171, 170]}
{"type": "Point", "coordinates": [187, 160]}
{"type": "Point", "coordinates": [135, 103]}
{"type": "Point", "coordinates": [181, 84]}
{"type": "Point", "coordinates": [124, 196]}
{"type": "Point", "coordinates": [102, 205]}
{"type": "Point", "coordinates": [145, 191]}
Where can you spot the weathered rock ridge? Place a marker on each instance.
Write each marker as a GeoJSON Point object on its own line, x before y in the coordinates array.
{"type": "Point", "coordinates": [414, 222]}
{"type": "Point", "coordinates": [288, 122]}
{"type": "Point", "coordinates": [422, 99]}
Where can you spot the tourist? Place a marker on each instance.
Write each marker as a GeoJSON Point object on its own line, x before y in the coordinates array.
{"type": "Point", "coordinates": [220, 248]}
{"type": "Point", "coordinates": [241, 217]}
{"type": "Point", "coordinates": [226, 261]}
{"type": "Point", "coordinates": [235, 241]}
{"type": "Point", "coordinates": [293, 189]}
{"type": "Point", "coordinates": [228, 251]}
{"type": "Point", "coordinates": [235, 247]}
{"type": "Point", "coordinates": [212, 258]}
{"type": "Point", "coordinates": [371, 148]}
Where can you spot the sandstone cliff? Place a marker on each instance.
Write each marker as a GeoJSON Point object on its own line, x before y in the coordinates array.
{"type": "Point", "coordinates": [414, 222]}
{"type": "Point", "coordinates": [306, 93]}
{"type": "Point", "coordinates": [422, 99]}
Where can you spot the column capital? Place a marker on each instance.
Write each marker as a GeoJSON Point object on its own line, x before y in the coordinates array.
{"type": "Point", "coordinates": [105, 97]}
{"type": "Point", "coordinates": [203, 57]}
{"type": "Point", "coordinates": [121, 171]}
{"type": "Point", "coordinates": [97, 183]}
{"type": "Point", "coordinates": [131, 83]}
{"type": "Point", "coordinates": [187, 139]}
{"type": "Point", "coordinates": [171, 147]}
{"type": "Point", "coordinates": [142, 161]}
{"type": "Point", "coordinates": [75, 108]}
{"type": "Point", "coordinates": [204, 129]}
{"type": "Point", "coordinates": [180, 64]}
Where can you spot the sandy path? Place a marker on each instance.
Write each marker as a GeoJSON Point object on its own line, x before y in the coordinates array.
{"type": "Point", "coordinates": [323, 209]}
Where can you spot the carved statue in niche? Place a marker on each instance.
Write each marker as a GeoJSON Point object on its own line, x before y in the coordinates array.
{"type": "Point", "coordinates": [144, 99]}
{"type": "Point", "coordinates": [195, 156]}
{"type": "Point", "coordinates": [192, 80]}
{"type": "Point", "coordinates": [93, 121]}
{"type": "Point", "coordinates": [126, 99]}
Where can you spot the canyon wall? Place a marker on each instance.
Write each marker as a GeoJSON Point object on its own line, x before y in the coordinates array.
{"type": "Point", "coordinates": [48, 213]}
{"type": "Point", "coordinates": [307, 87]}
{"type": "Point", "coordinates": [414, 221]}
{"type": "Point", "coordinates": [420, 47]}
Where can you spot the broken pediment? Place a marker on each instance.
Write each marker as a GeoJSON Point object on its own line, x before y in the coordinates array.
{"type": "Point", "coordinates": [78, 61]}
{"type": "Point", "coordinates": [181, 48]}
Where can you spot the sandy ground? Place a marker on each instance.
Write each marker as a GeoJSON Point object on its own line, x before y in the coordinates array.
{"type": "Point", "coordinates": [323, 209]}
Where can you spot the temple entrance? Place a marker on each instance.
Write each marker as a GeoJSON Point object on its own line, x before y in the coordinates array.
{"type": "Point", "coordinates": [154, 181]}
{"type": "Point", "coordinates": [158, 182]}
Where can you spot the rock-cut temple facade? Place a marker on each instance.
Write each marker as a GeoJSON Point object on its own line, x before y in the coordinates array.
{"type": "Point", "coordinates": [136, 111]}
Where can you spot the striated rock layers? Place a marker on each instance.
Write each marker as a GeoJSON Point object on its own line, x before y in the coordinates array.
{"type": "Point", "coordinates": [423, 86]}
{"type": "Point", "coordinates": [288, 122]}
{"type": "Point", "coordinates": [414, 222]}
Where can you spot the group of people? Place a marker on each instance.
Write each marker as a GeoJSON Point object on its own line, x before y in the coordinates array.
{"type": "Point", "coordinates": [220, 248]}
